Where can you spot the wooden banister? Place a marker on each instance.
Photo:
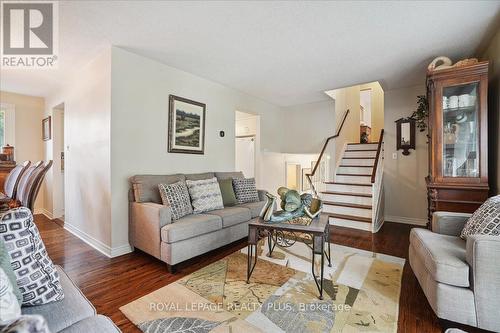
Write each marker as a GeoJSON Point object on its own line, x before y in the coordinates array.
{"type": "Point", "coordinates": [310, 175]}
{"type": "Point", "coordinates": [377, 157]}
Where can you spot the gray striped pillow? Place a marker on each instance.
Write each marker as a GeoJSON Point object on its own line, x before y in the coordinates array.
{"type": "Point", "coordinates": [205, 195]}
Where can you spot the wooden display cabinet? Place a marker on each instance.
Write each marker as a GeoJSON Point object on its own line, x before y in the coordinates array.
{"type": "Point", "coordinates": [458, 138]}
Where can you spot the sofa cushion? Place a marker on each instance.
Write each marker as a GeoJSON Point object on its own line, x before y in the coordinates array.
{"type": "Point", "coordinates": [145, 187]}
{"type": "Point", "coordinates": [227, 191]}
{"type": "Point", "coordinates": [36, 275]}
{"type": "Point", "coordinates": [176, 196]}
{"type": "Point", "coordinates": [245, 190]}
{"type": "Point", "coordinates": [255, 207]}
{"type": "Point", "coordinates": [443, 256]}
{"type": "Point", "coordinates": [200, 176]}
{"type": "Point", "coordinates": [61, 314]}
{"type": "Point", "coordinates": [232, 215]}
{"type": "Point", "coordinates": [205, 195]}
{"type": "Point", "coordinates": [190, 226]}
{"type": "Point", "coordinates": [229, 175]}
{"type": "Point", "coordinates": [97, 323]}
{"type": "Point", "coordinates": [485, 220]}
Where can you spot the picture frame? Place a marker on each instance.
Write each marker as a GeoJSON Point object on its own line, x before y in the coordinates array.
{"type": "Point", "coordinates": [47, 128]}
{"type": "Point", "coordinates": [186, 126]}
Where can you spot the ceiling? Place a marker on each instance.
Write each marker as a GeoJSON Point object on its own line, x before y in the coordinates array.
{"type": "Point", "coordinates": [286, 53]}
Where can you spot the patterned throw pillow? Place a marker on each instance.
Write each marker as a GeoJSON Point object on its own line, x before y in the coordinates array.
{"type": "Point", "coordinates": [9, 307]}
{"type": "Point", "coordinates": [245, 190]}
{"type": "Point", "coordinates": [37, 277]}
{"type": "Point", "coordinates": [176, 196]}
{"type": "Point", "coordinates": [485, 220]}
{"type": "Point", "coordinates": [205, 194]}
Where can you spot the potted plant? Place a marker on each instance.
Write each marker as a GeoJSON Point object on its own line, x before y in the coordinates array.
{"type": "Point", "coordinates": [420, 115]}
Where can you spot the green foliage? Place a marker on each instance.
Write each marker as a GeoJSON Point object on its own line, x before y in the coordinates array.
{"type": "Point", "coordinates": [422, 112]}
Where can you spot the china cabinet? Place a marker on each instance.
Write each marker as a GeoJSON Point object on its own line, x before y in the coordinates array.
{"type": "Point", "coordinates": [458, 134]}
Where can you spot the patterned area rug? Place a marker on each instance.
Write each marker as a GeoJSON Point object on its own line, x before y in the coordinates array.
{"type": "Point", "coordinates": [361, 294]}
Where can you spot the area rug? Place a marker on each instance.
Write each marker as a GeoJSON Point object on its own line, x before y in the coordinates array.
{"type": "Point", "coordinates": [361, 294]}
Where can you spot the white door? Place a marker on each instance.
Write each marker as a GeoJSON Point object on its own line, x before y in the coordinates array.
{"type": "Point", "coordinates": [245, 156]}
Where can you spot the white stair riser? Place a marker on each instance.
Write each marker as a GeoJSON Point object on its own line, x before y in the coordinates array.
{"type": "Point", "coordinates": [348, 188]}
{"type": "Point", "coordinates": [353, 153]}
{"type": "Point", "coordinates": [363, 146]}
{"type": "Point", "coordinates": [350, 224]}
{"type": "Point", "coordinates": [355, 170]}
{"type": "Point", "coordinates": [353, 179]}
{"type": "Point", "coordinates": [359, 212]}
{"type": "Point", "coordinates": [358, 161]}
{"type": "Point", "coordinates": [346, 199]}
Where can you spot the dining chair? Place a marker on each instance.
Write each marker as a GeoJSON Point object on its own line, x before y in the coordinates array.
{"type": "Point", "coordinates": [37, 184]}
{"type": "Point", "coordinates": [24, 183]}
{"type": "Point", "coordinates": [13, 178]}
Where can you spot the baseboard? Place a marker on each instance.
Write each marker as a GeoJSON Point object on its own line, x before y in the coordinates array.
{"type": "Point", "coordinates": [45, 212]}
{"type": "Point", "coordinates": [97, 244]}
{"type": "Point", "coordinates": [406, 220]}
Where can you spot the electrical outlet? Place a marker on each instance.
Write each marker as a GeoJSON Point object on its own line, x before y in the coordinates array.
{"type": "Point", "coordinates": [395, 156]}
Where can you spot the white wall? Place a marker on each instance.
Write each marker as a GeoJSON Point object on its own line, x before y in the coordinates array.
{"type": "Point", "coordinates": [404, 178]}
{"type": "Point", "coordinates": [305, 127]}
{"type": "Point", "coordinates": [87, 178]}
{"type": "Point", "coordinates": [140, 90]}
{"type": "Point", "coordinates": [29, 112]}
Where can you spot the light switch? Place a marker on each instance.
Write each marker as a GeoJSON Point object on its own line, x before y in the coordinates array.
{"type": "Point", "coordinates": [395, 156]}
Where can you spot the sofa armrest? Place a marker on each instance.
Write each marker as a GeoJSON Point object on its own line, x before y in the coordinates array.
{"type": "Point", "coordinates": [449, 223]}
{"type": "Point", "coordinates": [262, 195]}
{"type": "Point", "coordinates": [482, 255]}
{"type": "Point", "coordinates": [146, 221]}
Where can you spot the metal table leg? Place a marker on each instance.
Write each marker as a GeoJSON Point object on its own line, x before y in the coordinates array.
{"type": "Point", "coordinates": [270, 244]}
{"type": "Point", "coordinates": [252, 246]}
{"type": "Point", "coordinates": [318, 249]}
{"type": "Point", "coordinates": [327, 239]}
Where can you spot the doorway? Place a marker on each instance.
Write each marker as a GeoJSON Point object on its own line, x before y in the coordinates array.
{"type": "Point", "coordinates": [246, 144]}
{"type": "Point", "coordinates": [58, 144]}
{"type": "Point", "coordinates": [365, 116]}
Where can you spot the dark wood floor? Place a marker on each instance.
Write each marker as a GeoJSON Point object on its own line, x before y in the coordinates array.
{"type": "Point", "coordinates": [111, 283]}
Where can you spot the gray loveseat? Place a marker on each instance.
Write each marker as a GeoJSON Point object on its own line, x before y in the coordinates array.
{"type": "Point", "coordinates": [73, 314]}
{"type": "Point", "coordinates": [152, 230]}
{"type": "Point", "coordinates": [460, 278]}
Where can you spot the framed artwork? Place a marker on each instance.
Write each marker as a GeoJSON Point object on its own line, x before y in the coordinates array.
{"type": "Point", "coordinates": [306, 186]}
{"type": "Point", "coordinates": [186, 126]}
{"type": "Point", "coordinates": [405, 135]}
{"type": "Point", "coordinates": [46, 128]}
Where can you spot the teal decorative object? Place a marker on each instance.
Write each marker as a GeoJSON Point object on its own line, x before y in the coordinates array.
{"type": "Point", "coordinates": [293, 205]}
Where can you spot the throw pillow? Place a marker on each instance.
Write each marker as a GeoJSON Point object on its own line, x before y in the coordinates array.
{"type": "Point", "coordinates": [176, 196]}
{"type": "Point", "coordinates": [245, 190]}
{"type": "Point", "coordinates": [27, 324]}
{"type": "Point", "coordinates": [227, 191]}
{"type": "Point", "coordinates": [9, 306]}
{"type": "Point", "coordinates": [205, 195]}
{"type": "Point", "coordinates": [7, 268]}
{"type": "Point", "coordinates": [485, 220]}
{"type": "Point", "coordinates": [36, 275]}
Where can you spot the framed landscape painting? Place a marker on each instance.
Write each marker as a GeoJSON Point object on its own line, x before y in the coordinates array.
{"type": "Point", "coordinates": [186, 126]}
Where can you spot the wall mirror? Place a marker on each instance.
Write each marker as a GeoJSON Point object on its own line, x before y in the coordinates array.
{"type": "Point", "coordinates": [405, 135]}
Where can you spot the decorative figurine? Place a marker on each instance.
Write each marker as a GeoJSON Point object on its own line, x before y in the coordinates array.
{"type": "Point", "coordinates": [293, 204]}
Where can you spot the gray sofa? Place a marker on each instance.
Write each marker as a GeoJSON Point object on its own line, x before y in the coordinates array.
{"type": "Point", "coordinates": [73, 314]}
{"type": "Point", "coordinates": [152, 230]}
{"type": "Point", "coordinates": [460, 278]}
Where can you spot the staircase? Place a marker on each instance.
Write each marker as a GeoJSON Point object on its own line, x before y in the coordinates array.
{"type": "Point", "coordinates": [349, 199]}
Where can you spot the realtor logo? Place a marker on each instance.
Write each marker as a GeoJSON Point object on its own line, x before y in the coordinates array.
{"type": "Point", "coordinates": [29, 34]}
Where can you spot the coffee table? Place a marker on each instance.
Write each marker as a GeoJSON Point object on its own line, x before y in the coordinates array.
{"type": "Point", "coordinates": [318, 230]}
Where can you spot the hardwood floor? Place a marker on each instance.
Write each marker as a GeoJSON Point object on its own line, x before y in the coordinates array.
{"type": "Point", "coordinates": [111, 283]}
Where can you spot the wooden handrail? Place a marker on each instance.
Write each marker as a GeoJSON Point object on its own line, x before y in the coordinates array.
{"type": "Point", "coordinates": [379, 149]}
{"type": "Point", "coordinates": [309, 175]}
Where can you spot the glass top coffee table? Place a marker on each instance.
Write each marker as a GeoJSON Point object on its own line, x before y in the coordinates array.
{"type": "Point", "coordinates": [318, 232]}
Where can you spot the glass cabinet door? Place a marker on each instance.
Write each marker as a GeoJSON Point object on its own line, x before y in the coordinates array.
{"type": "Point", "coordinates": [461, 130]}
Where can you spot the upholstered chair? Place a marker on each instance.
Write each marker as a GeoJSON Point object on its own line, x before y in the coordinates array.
{"type": "Point", "coordinates": [37, 183]}
{"type": "Point", "coordinates": [12, 180]}
{"type": "Point", "coordinates": [460, 278]}
{"type": "Point", "coordinates": [24, 183]}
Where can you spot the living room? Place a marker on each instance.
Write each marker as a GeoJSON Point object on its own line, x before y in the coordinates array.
{"type": "Point", "coordinates": [119, 111]}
